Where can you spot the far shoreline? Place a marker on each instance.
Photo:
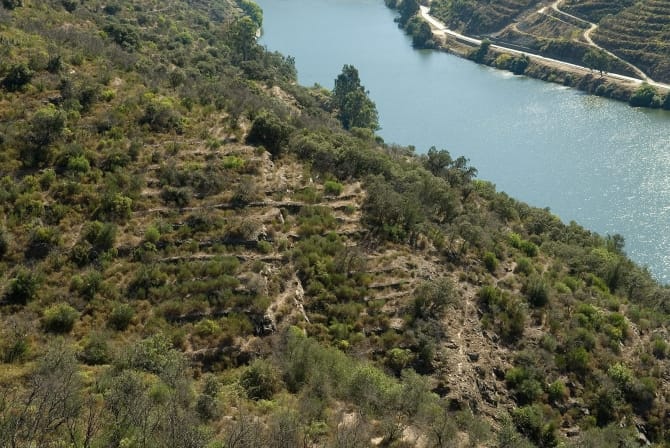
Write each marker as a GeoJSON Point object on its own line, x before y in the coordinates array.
{"type": "Point", "coordinates": [584, 79]}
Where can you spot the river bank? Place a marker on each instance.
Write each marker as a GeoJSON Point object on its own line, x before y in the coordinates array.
{"type": "Point", "coordinates": [593, 160]}
{"type": "Point", "coordinates": [608, 85]}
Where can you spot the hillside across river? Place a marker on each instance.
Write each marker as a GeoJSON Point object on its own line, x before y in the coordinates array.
{"type": "Point", "coordinates": [596, 161]}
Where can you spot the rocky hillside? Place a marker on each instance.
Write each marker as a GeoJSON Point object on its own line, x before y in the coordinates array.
{"type": "Point", "coordinates": [194, 252]}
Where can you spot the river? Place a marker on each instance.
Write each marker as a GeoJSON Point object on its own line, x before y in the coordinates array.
{"type": "Point", "coordinates": [598, 162]}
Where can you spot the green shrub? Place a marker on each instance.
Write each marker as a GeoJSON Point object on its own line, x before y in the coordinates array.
{"type": "Point", "coordinates": [269, 130]}
{"type": "Point", "coordinates": [101, 236]}
{"type": "Point", "coordinates": [120, 317]}
{"type": "Point", "coordinates": [264, 247]}
{"type": "Point", "coordinates": [577, 360]}
{"type": "Point", "coordinates": [659, 348]}
{"type": "Point", "coordinates": [260, 380]}
{"type": "Point", "coordinates": [432, 297]}
{"type": "Point", "coordinates": [536, 291]}
{"type": "Point", "coordinates": [490, 261]}
{"type": "Point", "coordinates": [45, 127]}
{"type": "Point", "coordinates": [528, 248]}
{"type": "Point", "coordinates": [557, 391]}
{"type": "Point", "coordinates": [19, 74]}
{"type": "Point", "coordinates": [11, 4]}
{"type": "Point", "coordinates": [530, 422]}
{"type": "Point", "coordinates": [96, 351]}
{"type": "Point", "coordinates": [645, 96]}
{"type": "Point", "coordinates": [233, 163]}
{"type": "Point", "coordinates": [59, 318]}
{"type": "Point", "coordinates": [23, 287]}
{"type": "Point", "coordinates": [4, 243]}
{"type": "Point", "coordinates": [398, 359]}
{"type": "Point", "coordinates": [161, 116]}
{"type": "Point", "coordinates": [524, 266]}
{"type": "Point", "coordinates": [78, 164]}
{"type": "Point", "coordinates": [332, 188]}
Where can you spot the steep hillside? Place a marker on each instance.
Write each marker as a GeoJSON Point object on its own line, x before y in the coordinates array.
{"type": "Point", "coordinates": [480, 16]}
{"type": "Point", "coordinates": [195, 252]}
{"type": "Point", "coordinates": [640, 34]}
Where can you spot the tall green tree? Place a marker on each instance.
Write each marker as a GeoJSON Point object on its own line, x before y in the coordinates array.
{"type": "Point", "coordinates": [355, 108]}
{"type": "Point", "coordinates": [597, 59]}
{"type": "Point", "coordinates": [242, 37]}
{"type": "Point", "coordinates": [407, 9]}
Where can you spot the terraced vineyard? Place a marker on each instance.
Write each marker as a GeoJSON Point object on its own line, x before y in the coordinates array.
{"type": "Point", "coordinates": [595, 10]}
{"type": "Point", "coordinates": [641, 35]}
{"type": "Point", "coordinates": [480, 16]}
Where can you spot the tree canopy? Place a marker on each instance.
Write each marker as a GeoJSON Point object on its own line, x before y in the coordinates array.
{"type": "Point", "coordinates": [355, 108]}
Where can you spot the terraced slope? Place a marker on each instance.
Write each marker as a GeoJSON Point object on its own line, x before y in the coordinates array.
{"type": "Point", "coordinates": [194, 253]}
{"type": "Point", "coordinates": [641, 35]}
{"type": "Point", "coordinates": [595, 10]}
{"type": "Point", "coordinates": [480, 16]}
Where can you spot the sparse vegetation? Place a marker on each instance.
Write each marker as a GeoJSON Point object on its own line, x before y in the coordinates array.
{"type": "Point", "coordinates": [194, 251]}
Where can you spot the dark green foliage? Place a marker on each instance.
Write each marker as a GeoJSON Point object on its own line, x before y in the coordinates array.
{"type": "Point", "coordinates": [531, 422]}
{"type": "Point", "coordinates": [253, 11]}
{"type": "Point", "coordinates": [355, 109]}
{"type": "Point", "coordinates": [101, 236]}
{"type": "Point", "coordinates": [506, 312]}
{"type": "Point", "coordinates": [96, 351]}
{"type": "Point", "coordinates": [577, 360]}
{"type": "Point", "coordinates": [45, 127]}
{"type": "Point", "coordinates": [260, 380]}
{"type": "Point", "coordinates": [490, 261]}
{"type": "Point", "coordinates": [4, 243]}
{"type": "Point", "coordinates": [645, 96]}
{"type": "Point", "coordinates": [597, 59]}
{"type": "Point", "coordinates": [536, 291]}
{"type": "Point", "coordinates": [519, 64]}
{"type": "Point", "coordinates": [242, 38]}
{"type": "Point", "coordinates": [11, 4]}
{"type": "Point", "coordinates": [144, 281]}
{"type": "Point", "coordinates": [155, 355]}
{"type": "Point", "coordinates": [480, 53]}
{"type": "Point", "coordinates": [114, 207]}
{"type": "Point", "coordinates": [121, 317]}
{"type": "Point", "coordinates": [407, 10]}
{"type": "Point", "coordinates": [18, 77]}
{"type": "Point", "coordinates": [161, 116]}
{"type": "Point", "coordinates": [59, 318]}
{"type": "Point", "coordinates": [393, 216]}
{"type": "Point", "coordinates": [431, 298]}
{"type": "Point", "coordinates": [659, 348]}
{"type": "Point", "coordinates": [270, 131]}
{"type": "Point", "coordinates": [440, 163]}
{"type": "Point", "coordinates": [23, 287]}
{"type": "Point", "coordinates": [69, 5]}
{"type": "Point", "coordinates": [207, 405]}
{"type": "Point", "coordinates": [88, 285]}
{"type": "Point", "coordinates": [179, 196]}
{"type": "Point", "coordinates": [422, 35]}
{"type": "Point", "coordinates": [124, 35]}
{"type": "Point", "coordinates": [666, 102]}
{"type": "Point", "coordinates": [41, 241]}
{"type": "Point", "coordinates": [332, 188]}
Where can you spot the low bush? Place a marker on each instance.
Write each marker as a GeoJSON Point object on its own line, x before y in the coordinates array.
{"type": "Point", "coordinates": [59, 318]}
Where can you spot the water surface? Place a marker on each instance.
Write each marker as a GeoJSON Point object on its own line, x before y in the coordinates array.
{"type": "Point", "coordinates": [589, 159]}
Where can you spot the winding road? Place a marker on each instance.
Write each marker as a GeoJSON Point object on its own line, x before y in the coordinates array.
{"type": "Point", "coordinates": [441, 29]}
